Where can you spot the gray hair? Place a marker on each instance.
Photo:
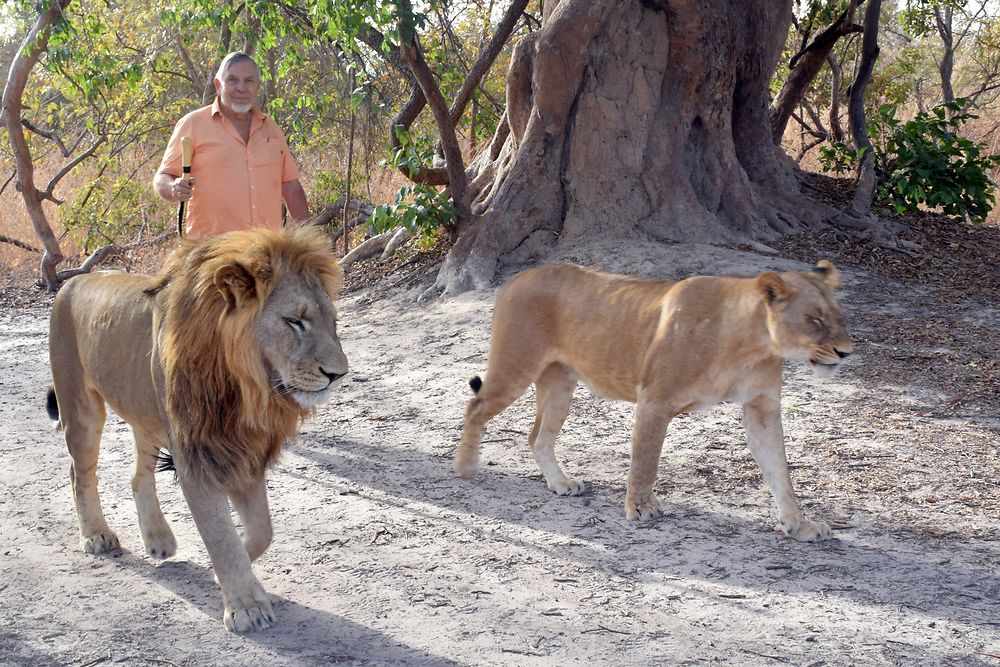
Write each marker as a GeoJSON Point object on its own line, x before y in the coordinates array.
{"type": "Point", "coordinates": [233, 58]}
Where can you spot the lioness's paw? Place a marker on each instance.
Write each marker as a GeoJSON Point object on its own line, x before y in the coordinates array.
{"type": "Point", "coordinates": [161, 544]}
{"type": "Point", "coordinates": [98, 543]}
{"type": "Point", "coordinates": [807, 531]}
{"type": "Point", "coordinates": [466, 469]}
{"type": "Point", "coordinates": [567, 487]}
{"type": "Point", "coordinates": [644, 509]}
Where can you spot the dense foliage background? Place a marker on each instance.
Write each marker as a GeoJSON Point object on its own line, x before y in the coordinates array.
{"type": "Point", "coordinates": [117, 74]}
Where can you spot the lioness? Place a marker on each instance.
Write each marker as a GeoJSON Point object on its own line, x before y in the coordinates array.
{"type": "Point", "coordinates": [668, 346]}
{"type": "Point", "coordinates": [217, 360]}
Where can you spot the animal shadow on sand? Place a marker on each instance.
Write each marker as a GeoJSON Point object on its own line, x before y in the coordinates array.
{"type": "Point", "coordinates": [328, 634]}
{"type": "Point", "coordinates": [870, 565]}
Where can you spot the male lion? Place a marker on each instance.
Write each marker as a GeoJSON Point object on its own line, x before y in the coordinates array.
{"type": "Point", "coordinates": [217, 360]}
{"type": "Point", "coordinates": [668, 346]}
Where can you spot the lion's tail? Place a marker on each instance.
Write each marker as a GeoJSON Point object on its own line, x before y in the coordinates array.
{"type": "Point", "coordinates": [476, 383]}
{"type": "Point", "coordinates": [52, 407]}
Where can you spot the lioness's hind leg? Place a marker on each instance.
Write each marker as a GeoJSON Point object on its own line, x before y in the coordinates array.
{"type": "Point", "coordinates": [495, 396]}
{"type": "Point", "coordinates": [553, 395]}
{"type": "Point", "coordinates": [83, 419]}
{"type": "Point", "coordinates": [156, 534]}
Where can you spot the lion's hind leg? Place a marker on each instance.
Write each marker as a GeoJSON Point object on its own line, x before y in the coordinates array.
{"type": "Point", "coordinates": [553, 395]}
{"type": "Point", "coordinates": [83, 418]}
{"type": "Point", "coordinates": [156, 534]}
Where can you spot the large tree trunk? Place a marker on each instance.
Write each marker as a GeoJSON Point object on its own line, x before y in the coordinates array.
{"type": "Point", "coordinates": [638, 119]}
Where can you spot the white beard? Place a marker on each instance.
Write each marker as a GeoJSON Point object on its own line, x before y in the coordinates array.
{"type": "Point", "coordinates": [242, 108]}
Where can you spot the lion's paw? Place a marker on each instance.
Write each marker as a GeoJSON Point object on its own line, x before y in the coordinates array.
{"type": "Point", "coordinates": [245, 619]}
{"type": "Point", "coordinates": [807, 531]}
{"type": "Point", "coordinates": [98, 543]}
{"type": "Point", "coordinates": [162, 544]}
{"type": "Point", "coordinates": [567, 486]}
{"type": "Point", "coordinates": [644, 509]}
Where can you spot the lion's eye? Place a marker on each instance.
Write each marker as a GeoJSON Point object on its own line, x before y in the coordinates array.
{"type": "Point", "coordinates": [815, 321]}
{"type": "Point", "coordinates": [297, 325]}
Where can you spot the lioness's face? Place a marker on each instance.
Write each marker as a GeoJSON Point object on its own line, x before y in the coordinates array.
{"type": "Point", "coordinates": [297, 334]}
{"type": "Point", "coordinates": [807, 323]}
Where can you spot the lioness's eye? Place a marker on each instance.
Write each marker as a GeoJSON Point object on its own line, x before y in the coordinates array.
{"type": "Point", "coordinates": [296, 325]}
{"type": "Point", "coordinates": [815, 321]}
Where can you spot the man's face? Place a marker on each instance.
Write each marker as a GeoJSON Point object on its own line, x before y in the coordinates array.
{"type": "Point", "coordinates": [238, 90]}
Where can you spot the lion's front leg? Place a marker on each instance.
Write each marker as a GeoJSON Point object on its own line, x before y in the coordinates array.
{"type": "Point", "coordinates": [247, 606]}
{"type": "Point", "coordinates": [251, 504]}
{"type": "Point", "coordinates": [651, 421]}
{"type": "Point", "coordinates": [762, 421]}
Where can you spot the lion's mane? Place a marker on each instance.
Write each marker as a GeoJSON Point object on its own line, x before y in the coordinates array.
{"type": "Point", "coordinates": [227, 421]}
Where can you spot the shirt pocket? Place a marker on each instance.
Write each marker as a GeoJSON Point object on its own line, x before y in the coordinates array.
{"type": "Point", "coordinates": [266, 151]}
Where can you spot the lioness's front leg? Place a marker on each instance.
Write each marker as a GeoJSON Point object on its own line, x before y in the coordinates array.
{"type": "Point", "coordinates": [762, 421]}
{"type": "Point", "coordinates": [247, 606]}
{"type": "Point", "coordinates": [651, 421]}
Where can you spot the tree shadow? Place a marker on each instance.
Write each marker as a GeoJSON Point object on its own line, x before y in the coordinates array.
{"type": "Point", "coordinates": [871, 565]}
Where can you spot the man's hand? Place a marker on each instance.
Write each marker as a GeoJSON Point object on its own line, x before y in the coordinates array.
{"type": "Point", "coordinates": [180, 189]}
{"type": "Point", "coordinates": [171, 187]}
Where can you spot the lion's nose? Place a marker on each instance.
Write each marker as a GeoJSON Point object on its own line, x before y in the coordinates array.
{"type": "Point", "coordinates": [842, 354]}
{"type": "Point", "coordinates": [332, 376]}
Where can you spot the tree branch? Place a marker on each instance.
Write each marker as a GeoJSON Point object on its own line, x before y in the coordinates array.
{"type": "Point", "coordinates": [47, 193]}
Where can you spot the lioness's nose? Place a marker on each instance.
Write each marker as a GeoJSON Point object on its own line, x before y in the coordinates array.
{"type": "Point", "coordinates": [332, 376]}
{"type": "Point", "coordinates": [842, 354]}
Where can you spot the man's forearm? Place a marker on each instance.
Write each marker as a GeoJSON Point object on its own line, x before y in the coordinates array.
{"type": "Point", "coordinates": [163, 185]}
{"type": "Point", "coordinates": [295, 200]}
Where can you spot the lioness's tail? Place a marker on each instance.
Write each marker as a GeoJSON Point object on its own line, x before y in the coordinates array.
{"type": "Point", "coordinates": [476, 383]}
{"type": "Point", "coordinates": [52, 406]}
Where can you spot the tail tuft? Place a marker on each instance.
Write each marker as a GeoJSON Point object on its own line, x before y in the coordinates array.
{"type": "Point", "coordinates": [476, 383]}
{"type": "Point", "coordinates": [52, 405]}
{"type": "Point", "coordinates": [165, 462]}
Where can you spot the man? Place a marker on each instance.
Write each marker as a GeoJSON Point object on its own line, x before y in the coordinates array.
{"type": "Point", "coordinates": [241, 168]}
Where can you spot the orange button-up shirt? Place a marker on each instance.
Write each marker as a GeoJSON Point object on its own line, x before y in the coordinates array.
{"type": "Point", "coordinates": [237, 184]}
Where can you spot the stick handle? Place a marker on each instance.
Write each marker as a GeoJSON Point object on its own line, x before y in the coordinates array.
{"type": "Point", "coordinates": [186, 157]}
{"type": "Point", "coordinates": [186, 169]}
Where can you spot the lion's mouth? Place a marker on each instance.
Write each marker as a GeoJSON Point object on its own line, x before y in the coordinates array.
{"type": "Point", "coordinates": [306, 398]}
{"type": "Point", "coordinates": [823, 369]}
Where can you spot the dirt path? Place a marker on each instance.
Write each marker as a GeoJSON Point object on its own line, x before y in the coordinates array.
{"type": "Point", "coordinates": [382, 556]}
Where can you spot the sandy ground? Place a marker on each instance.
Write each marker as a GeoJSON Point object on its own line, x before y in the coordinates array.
{"type": "Point", "coordinates": [382, 556]}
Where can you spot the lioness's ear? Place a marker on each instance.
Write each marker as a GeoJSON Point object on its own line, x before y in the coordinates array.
{"type": "Point", "coordinates": [236, 285]}
{"type": "Point", "coordinates": [828, 273]}
{"type": "Point", "coordinates": [774, 289]}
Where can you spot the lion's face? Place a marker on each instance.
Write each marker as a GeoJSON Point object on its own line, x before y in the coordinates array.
{"type": "Point", "coordinates": [804, 319]}
{"type": "Point", "coordinates": [297, 335]}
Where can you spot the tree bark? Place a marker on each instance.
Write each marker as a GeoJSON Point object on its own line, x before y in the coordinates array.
{"type": "Point", "coordinates": [31, 50]}
{"type": "Point", "coordinates": [634, 119]}
{"type": "Point", "coordinates": [862, 201]}
{"type": "Point", "coordinates": [836, 129]}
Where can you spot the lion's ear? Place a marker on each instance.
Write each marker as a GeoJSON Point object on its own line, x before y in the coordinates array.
{"type": "Point", "coordinates": [774, 289]}
{"type": "Point", "coordinates": [236, 285]}
{"type": "Point", "coordinates": [828, 273]}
